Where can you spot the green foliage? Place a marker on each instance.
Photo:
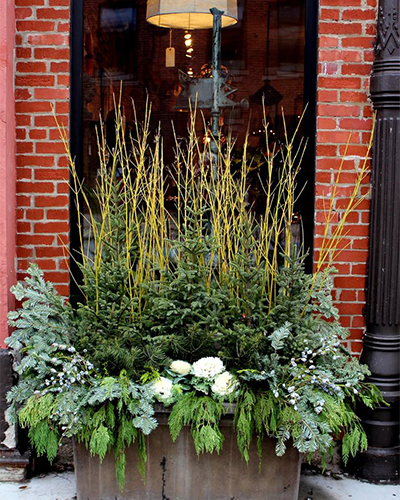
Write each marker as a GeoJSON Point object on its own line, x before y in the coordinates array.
{"type": "Point", "coordinates": [60, 393]}
{"type": "Point", "coordinates": [107, 321]}
{"type": "Point", "coordinates": [203, 414]}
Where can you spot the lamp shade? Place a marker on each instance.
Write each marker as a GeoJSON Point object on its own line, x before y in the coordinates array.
{"type": "Point", "coordinates": [190, 14]}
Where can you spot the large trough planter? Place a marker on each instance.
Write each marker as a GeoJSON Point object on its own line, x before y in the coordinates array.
{"type": "Point", "coordinates": [175, 472]}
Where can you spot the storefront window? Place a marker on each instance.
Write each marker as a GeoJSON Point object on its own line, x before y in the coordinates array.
{"type": "Point", "coordinates": [262, 55]}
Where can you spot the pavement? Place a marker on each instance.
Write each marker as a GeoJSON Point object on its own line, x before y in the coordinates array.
{"type": "Point", "coordinates": [61, 486]}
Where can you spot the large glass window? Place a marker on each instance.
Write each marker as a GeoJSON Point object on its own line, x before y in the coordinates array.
{"type": "Point", "coordinates": [263, 56]}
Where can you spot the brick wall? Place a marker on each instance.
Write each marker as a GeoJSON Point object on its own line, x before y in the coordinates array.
{"type": "Point", "coordinates": [346, 38]}
{"type": "Point", "coordinates": [42, 82]}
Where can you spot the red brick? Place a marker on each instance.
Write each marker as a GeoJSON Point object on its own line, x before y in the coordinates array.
{"type": "Point", "coordinates": [63, 290]}
{"type": "Point", "coordinates": [335, 137]}
{"type": "Point", "coordinates": [48, 174]}
{"type": "Point", "coordinates": [24, 253]}
{"type": "Point", "coordinates": [356, 347]}
{"type": "Point", "coordinates": [339, 82]}
{"type": "Point", "coordinates": [51, 53]}
{"type": "Point", "coordinates": [353, 218]}
{"type": "Point", "coordinates": [351, 309]}
{"type": "Point", "coordinates": [338, 110]}
{"type": "Point", "coordinates": [340, 3]}
{"type": "Point", "coordinates": [46, 264]}
{"type": "Point", "coordinates": [34, 214]}
{"type": "Point", "coordinates": [359, 269]}
{"type": "Point", "coordinates": [34, 161]}
{"type": "Point", "coordinates": [340, 55]}
{"type": "Point", "coordinates": [46, 93]}
{"type": "Point", "coordinates": [340, 28]}
{"type": "Point", "coordinates": [32, 107]}
{"type": "Point", "coordinates": [327, 96]}
{"type": "Point", "coordinates": [51, 227]}
{"type": "Point", "coordinates": [63, 27]}
{"type": "Point", "coordinates": [63, 188]}
{"type": "Point", "coordinates": [64, 264]}
{"type": "Point", "coordinates": [354, 150]}
{"type": "Point", "coordinates": [31, 67]}
{"type": "Point", "coordinates": [349, 282]}
{"type": "Point", "coordinates": [361, 295]}
{"type": "Point", "coordinates": [331, 14]}
{"type": "Point", "coordinates": [323, 177]}
{"type": "Point", "coordinates": [23, 13]}
{"type": "Point", "coordinates": [326, 150]}
{"type": "Point", "coordinates": [49, 251]}
{"type": "Point", "coordinates": [355, 124]}
{"type": "Point", "coordinates": [51, 201]}
{"type": "Point", "coordinates": [359, 14]}
{"type": "Point", "coordinates": [34, 80]}
{"type": "Point", "coordinates": [34, 239]}
{"type": "Point", "coordinates": [352, 256]}
{"type": "Point", "coordinates": [63, 80]}
{"type": "Point", "coordinates": [20, 133]}
{"type": "Point", "coordinates": [34, 26]}
{"type": "Point", "coordinates": [60, 214]}
{"type": "Point", "coordinates": [348, 296]}
{"type": "Point", "coordinates": [23, 227]}
{"type": "Point", "coordinates": [62, 107]}
{"type": "Point", "coordinates": [23, 200]}
{"type": "Point", "coordinates": [345, 321]}
{"type": "Point", "coordinates": [23, 52]}
{"type": "Point", "coordinates": [34, 187]}
{"type": "Point", "coordinates": [54, 134]}
{"type": "Point", "coordinates": [53, 39]}
{"type": "Point", "coordinates": [328, 41]}
{"type": "Point", "coordinates": [50, 147]}
{"type": "Point", "coordinates": [49, 121]}
{"type": "Point", "coordinates": [362, 243]}
{"type": "Point", "coordinates": [57, 276]}
{"type": "Point", "coordinates": [24, 147]}
{"type": "Point", "coordinates": [356, 69]}
{"type": "Point", "coordinates": [22, 94]}
{"type": "Point", "coordinates": [358, 230]}
{"type": "Point", "coordinates": [358, 41]}
{"type": "Point", "coordinates": [29, 3]}
{"type": "Point", "coordinates": [370, 29]}
{"type": "Point", "coordinates": [63, 161]}
{"type": "Point", "coordinates": [326, 123]}
{"type": "Point", "coordinates": [52, 13]}
{"type": "Point", "coordinates": [59, 67]}
{"type": "Point", "coordinates": [38, 133]}
{"type": "Point", "coordinates": [352, 96]}
{"type": "Point", "coordinates": [22, 120]}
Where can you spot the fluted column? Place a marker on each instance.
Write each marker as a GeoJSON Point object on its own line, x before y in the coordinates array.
{"type": "Point", "coordinates": [382, 338]}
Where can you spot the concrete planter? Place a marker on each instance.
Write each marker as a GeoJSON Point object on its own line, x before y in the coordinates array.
{"type": "Point", "coordinates": [175, 472]}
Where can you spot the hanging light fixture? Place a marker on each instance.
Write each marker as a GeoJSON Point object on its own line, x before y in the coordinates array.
{"type": "Point", "coordinates": [190, 14]}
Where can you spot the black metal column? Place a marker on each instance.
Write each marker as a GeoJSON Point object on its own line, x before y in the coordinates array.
{"type": "Point", "coordinates": [382, 338]}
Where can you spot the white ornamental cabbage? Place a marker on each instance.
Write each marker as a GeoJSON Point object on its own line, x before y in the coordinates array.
{"type": "Point", "coordinates": [208, 367]}
{"type": "Point", "coordinates": [180, 367]}
{"type": "Point", "coordinates": [225, 384]}
{"type": "Point", "coordinates": [163, 387]}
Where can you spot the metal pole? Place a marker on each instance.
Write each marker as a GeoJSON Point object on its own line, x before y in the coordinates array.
{"type": "Point", "coordinates": [382, 338]}
{"type": "Point", "coordinates": [216, 72]}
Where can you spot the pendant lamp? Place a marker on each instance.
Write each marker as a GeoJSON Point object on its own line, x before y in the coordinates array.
{"type": "Point", "coordinates": [190, 14]}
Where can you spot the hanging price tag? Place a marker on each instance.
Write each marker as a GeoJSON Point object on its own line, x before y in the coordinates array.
{"type": "Point", "coordinates": [170, 57]}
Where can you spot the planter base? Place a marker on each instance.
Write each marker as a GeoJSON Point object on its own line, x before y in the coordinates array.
{"type": "Point", "coordinates": [175, 472]}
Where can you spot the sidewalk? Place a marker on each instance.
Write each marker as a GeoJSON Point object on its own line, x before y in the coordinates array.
{"type": "Point", "coordinates": [313, 487]}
